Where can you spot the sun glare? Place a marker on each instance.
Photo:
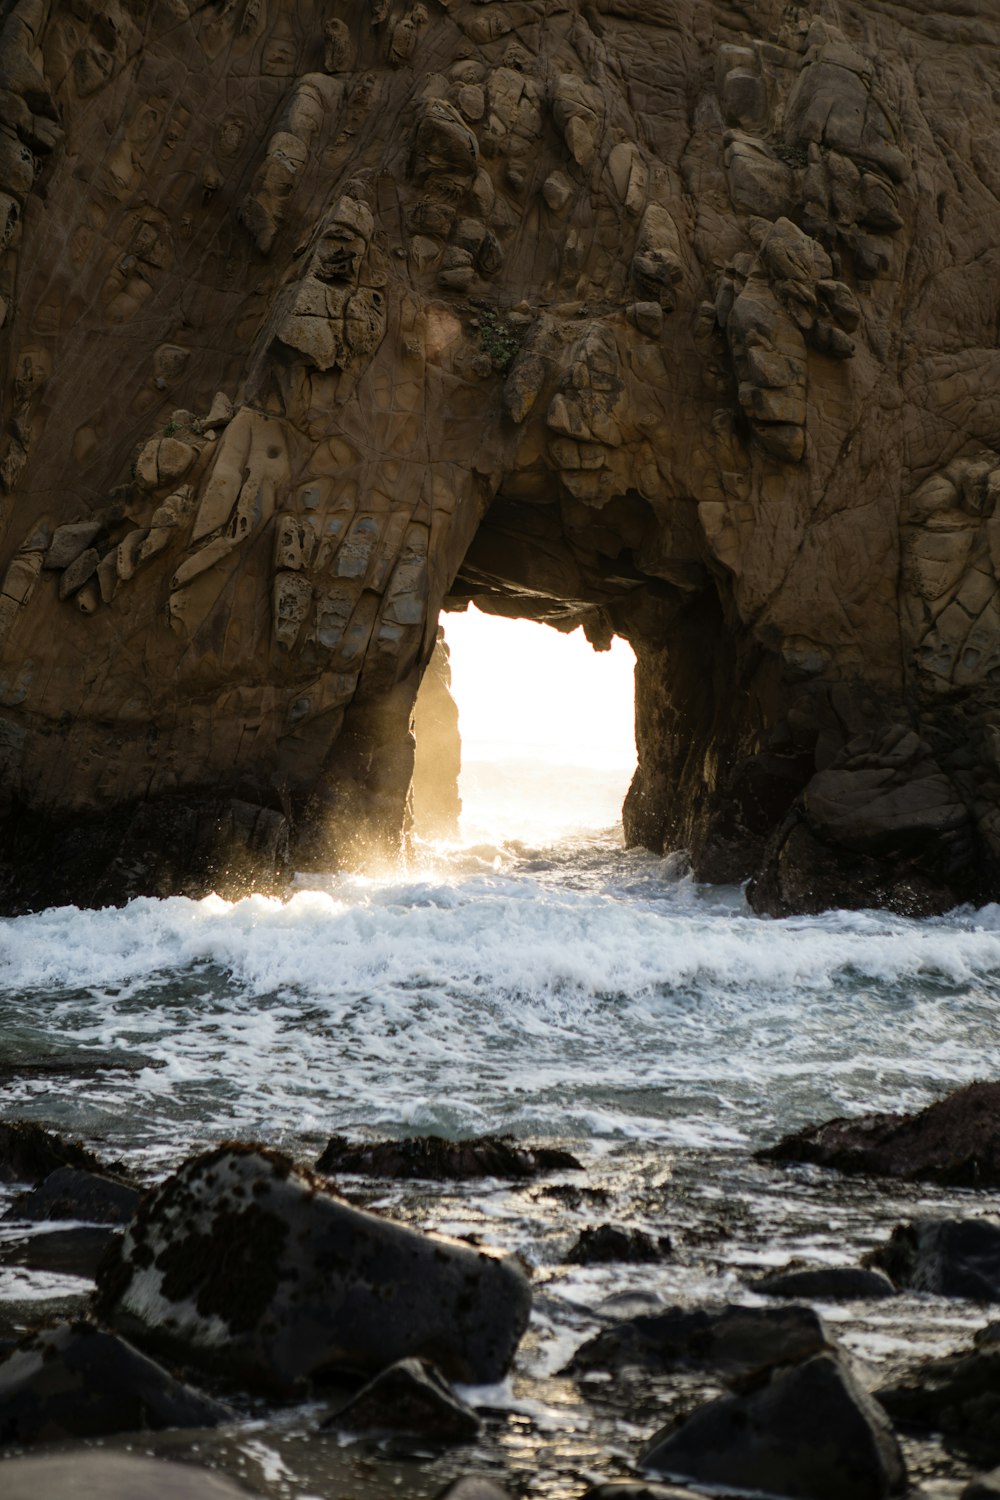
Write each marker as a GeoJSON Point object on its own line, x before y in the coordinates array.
{"type": "Point", "coordinates": [547, 725]}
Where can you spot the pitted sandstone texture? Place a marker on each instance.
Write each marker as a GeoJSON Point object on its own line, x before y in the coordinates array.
{"type": "Point", "coordinates": [674, 319]}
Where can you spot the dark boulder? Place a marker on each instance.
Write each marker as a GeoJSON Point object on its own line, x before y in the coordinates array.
{"type": "Point", "coordinates": [65, 1252]}
{"type": "Point", "coordinates": [29, 1153]}
{"type": "Point", "coordinates": [733, 1342]}
{"type": "Point", "coordinates": [812, 1433]}
{"type": "Point", "coordinates": [637, 1489]}
{"type": "Point", "coordinates": [410, 1397]}
{"type": "Point", "coordinates": [608, 1244]}
{"type": "Point", "coordinates": [983, 1487]}
{"type": "Point", "coordinates": [71, 1193]}
{"type": "Point", "coordinates": [472, 1487]}
{"type": "Point", "coordinates": [248, 1265]}
{"type": "Point", "coordinates": [988, 1335]}
{"type": "Point", "coordinates": [636, 1304]}
{"type": "Point", "coordinates": [826, 1284]}
{"type": "Point", "coordinates": [955, 1142]}
{"type": "Point", "coordinates": [958, 1396]}
{"type": "Point", "coordinates": [77, 1381]}
{"type": "Point", "coordinates": [952, 1257]}
{"type": "Point", "coordinates": [435, 1159]}
{"type": "Point", "coordinates": [87, 1475]}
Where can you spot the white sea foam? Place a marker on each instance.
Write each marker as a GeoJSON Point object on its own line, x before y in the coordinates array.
{"type": "Point", "coordinates": [567, 991]}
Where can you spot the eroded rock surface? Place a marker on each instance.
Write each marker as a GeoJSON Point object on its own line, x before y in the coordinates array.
{"type": "Point", "coordinates": [437, 761]}
{"type": "Point", "coordinates": [69, 1193]}
{"type": "Point", "coordinates": [826, 1284]}
{"type": "Point", "coordinates": [30, 1153]}
{"type": "Point", "coordinates": [115, 1476]}
{"type": "Point", "coordinates": [76, 1380]}
{"type": "Point", "coordinates": [955, 1142]}
{"type": "Point", "coordinates": [249, 1266]}
{"type": "Point", "coordinates": [735, 1343]}
{"type": "Point", "coordinates": [811, 1432]}
{"type": "Point", "coordinates": [434, 1158]}
{"type": "Point", "coordinates": [674, 320]}
{"type": "Point", "coordinates": [952, 1257]}
{"type": "Point", "coordinates": [608, 1243]}
{"type": "Point", "coordinates": [410, 1397]}
{"type": "Point", "coordinates": [958, 1397]}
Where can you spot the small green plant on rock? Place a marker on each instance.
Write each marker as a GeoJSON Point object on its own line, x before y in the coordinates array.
{"type": "Point", "coordinates": [170, 429]}
{"type": "Point", "coordinates": [793, 156]}
{"type": "Point", "coordinates": [498, 338]}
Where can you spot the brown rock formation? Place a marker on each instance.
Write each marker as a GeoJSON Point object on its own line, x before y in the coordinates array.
{"type": "Point", "coordinates": [677, 319]}
{"type": "Point", "coordinates": [437, 756]}
{"type": "Point", "coordinates": [955, 1142]}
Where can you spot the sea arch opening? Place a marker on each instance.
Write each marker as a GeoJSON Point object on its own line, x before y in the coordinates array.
{"type": "Point", "coordinates": [715, 769]}
{"type": "Point", "coordinates": [546, 726]}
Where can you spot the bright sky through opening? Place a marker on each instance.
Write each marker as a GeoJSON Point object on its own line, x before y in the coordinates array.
{"type": "Point", "coordinates": [546, 723]}
{"type": "Point", "coordinates": [532, 700]}
{"type": "Point", "coordinates": [526, 691]}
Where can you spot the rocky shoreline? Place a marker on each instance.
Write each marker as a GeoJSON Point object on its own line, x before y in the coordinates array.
{"type": "Point", "coordinates": [246, 1299]}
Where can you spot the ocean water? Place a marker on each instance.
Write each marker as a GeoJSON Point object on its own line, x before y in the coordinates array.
{"type": "Point", "coordinates": [537, 978]}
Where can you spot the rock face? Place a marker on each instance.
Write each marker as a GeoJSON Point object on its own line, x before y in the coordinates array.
{"type": "Point", "coordinates": [437, 760]}
{"type": "Point", "coordinates": [736, 1343]}
{"type": "Point", "coordinates": [826, 1284]}
{"type": "Point", "coordinates": [78, 1381]}
{"type": "Point", "coordinates": [29, 1153]}
{"type": "Point", "coordinates": [668, 319]}
{"type": "Point", "coordinates": [433, 1158]}
{"type": "Point", "coordinates": [812, 1432]}
{"type": "Point", "coordinates": [69, 1193]}
{"type": "Point", "coordinates": [958, 1396]}
{"type": "Point", "coordinates": [986, 1487]}
{"type": "Point", "coordinates": [411, 1397]}
{"type": "Point", "coordinates": [244, 1264]}
{"type": "Point", "coordinates": [952, 1257]}
{"type": "Point", "coordinates": [114, 1476]}
{"type": "Point", "coordinates": [955, 1142]}
{"type": "Point", "coordinates": [607, 1244]}
{"type": "Point", "coordinates": [78, 1251]}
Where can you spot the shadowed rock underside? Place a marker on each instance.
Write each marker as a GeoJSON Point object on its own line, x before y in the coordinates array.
{"type": "Point", "coordinates": [674, 319]}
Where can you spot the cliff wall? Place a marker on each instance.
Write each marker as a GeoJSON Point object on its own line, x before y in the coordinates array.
{"type": "Point", "coordinates": [677, 318]}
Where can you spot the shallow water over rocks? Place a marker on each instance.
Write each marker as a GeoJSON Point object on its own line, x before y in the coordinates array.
{"type": "Point", "coordinates": [575, 995]}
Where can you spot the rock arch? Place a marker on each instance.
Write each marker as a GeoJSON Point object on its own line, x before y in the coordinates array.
{"type": "Point", "coordinates": [677, 318]}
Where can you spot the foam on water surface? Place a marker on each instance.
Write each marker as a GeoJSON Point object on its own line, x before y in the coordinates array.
{"type": "Point", "coordinates": [560, 988]}
{"type": "Point", "coordinates": [576, 991]}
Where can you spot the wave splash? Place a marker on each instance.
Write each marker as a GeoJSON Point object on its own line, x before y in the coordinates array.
{"type": "Point", "coordinates": [576, 990]}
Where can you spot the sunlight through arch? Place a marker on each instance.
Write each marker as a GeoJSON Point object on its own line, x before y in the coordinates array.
{"type": "Point", "coordinates": [547, 726]}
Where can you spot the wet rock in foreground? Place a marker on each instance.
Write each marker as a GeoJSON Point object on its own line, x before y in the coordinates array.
{"type": "Point", "coordinates": [812, 1433]}
{"type": "Point", "coordinates": [826, 1284]}
{"type": "Point", "coordinates": [113, 1476]}
{"type": "Point", "coordinates": [951, 1257]}
{"type": "Point", "coordinates": [71, 1193]}
{"type": "Point", "coordinates": [958, 1397]}
{"type": "Point", "coordinates": [411, 1398]}
{"type": "Point", "coordinates": [252, 1267]}
{"type": "Point", "coordinates": [77, 1381]}
{"type": "Point", "coordinates": [607, 1244]}
{"type": "Point", "coordinates": [983, 1487]}
{"type": "Point", "coordinates": [734, 1342]}
{"type": "Point", "coordinates": [29, 1153]}
{"type": "Point", "coordinates": [638, 1489]}
{"type": "Point", "coordinates": [472, 1487]}
{"type": "Point", "coordinates": [954, 1142]}
{"type": "Point", "coordinates": [435, 1159]}
{"type": "Point", "coordinates": [64, 1252]}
